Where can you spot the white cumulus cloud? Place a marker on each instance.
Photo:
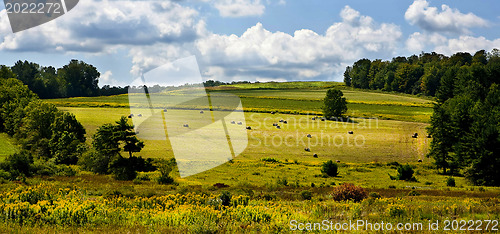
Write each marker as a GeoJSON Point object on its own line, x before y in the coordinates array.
{"type": "Point", "coordinates": [261, 54]}
{"type": "Point", "coordinates": [99, 26]}
{"type": "Point", "coordinates": [449, 20]}
{"type": "Point", "coordinates": [239, 8]}
{"type": "Point", "coordinates": [418, 42]}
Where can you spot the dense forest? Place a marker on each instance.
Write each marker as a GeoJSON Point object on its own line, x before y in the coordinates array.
{"type": "Point", "coordinates": [419, 74]}
{"type": "Point", "coordinates": [76, 79]}
{"type": "Point", "coordinates": [465, 125]}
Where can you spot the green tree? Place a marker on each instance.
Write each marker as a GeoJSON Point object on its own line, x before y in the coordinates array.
{"type": "Point", "coordinates": [430, 80]}
{"type": "Point", "coordinates": [347, 76]}
{"type": "Point", "coordinates": [68, 138]}
{"type": "Point", "coordinates": [359, 74]}
{"type": "Point", "coordinates": [6, 72]}
{"type": "Point", "coordinates": [14, 97]}
{"type": "Point", "coordinates": [442, 138]}
{"type": "Point", "coordinates": [109, 140]}
{"type": "Point", "coordinates": [376, 74]}
{"type": "Point", "coordinates": [407, 77]}
{"type": "Point", "coordinates": [81, 79]}
{"type": "Point", "coordinates": [335, 105]}
{"type": "Point", "coordinates": [35, 132]}
{"type": "Point", "coordinates": [479, 148]}
{"type": "Point", "coordinates": [126, 134]}
{"type": "Point", "coordinates": [26, 72]}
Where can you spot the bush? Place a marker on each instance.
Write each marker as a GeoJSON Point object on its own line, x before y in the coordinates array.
{"type": "Point", "coordinates": [122, 169]}
{"type": "Point", "coordinates": [5, 175]}
{"type": "Point", "coordinates": [18, 164]}
{"type": "Point", "coordinates": [375, 195]}
{"type": "Point", "coordinates": [283, 182]}
{"type": "Point", "coordinates": [143, 177]}
{"type": "Point", "coordinates": [450, 182]}
{"type": "Point", "coordinates": [269, 197]}
{"type": "Point", "coordinates": [393, 164]}
{"type": "Point", "coordinates": [330, 168]}
{"type": "Point", "coordinates": [165, 169]}
{"type": "Point", "coordinates": [405, 172]}
{"type": "Point", "coordinates": [306, 195]}
{"type": "Point", "coordinates": [95, 161]}
{"type": "Point", "coordinates": [346, 192]}
{"type": "Point", "coordinates": [413, 193]}
{"type": "Point", "coordinates": [50, 168]}
{"type": "Point", "coordinates": [225, 197]}
{"type": "Point", "coordinates": [272, 160]}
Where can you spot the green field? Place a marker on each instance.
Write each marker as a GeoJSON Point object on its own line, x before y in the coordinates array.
{"type": "Point", "coordinates": [297, 100]}
{"type": "Point", "coordinates": [374, 140]}
{"type": "Point", "coordinates": [7, 146]}
{"type": "Point", "coordinates": [266, 195]}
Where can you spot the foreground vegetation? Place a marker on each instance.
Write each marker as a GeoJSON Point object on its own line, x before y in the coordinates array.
{"type": "Point", "coordinates": [61, 205]}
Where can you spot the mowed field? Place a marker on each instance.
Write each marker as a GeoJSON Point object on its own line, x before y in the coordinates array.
{"type": "Point", "coordinates": [298, 100]}
{"type": "Point", "coordinates": [382, 129]}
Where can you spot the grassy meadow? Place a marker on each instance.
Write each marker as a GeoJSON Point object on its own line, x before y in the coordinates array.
{"type": "Point", "coordinates": [7, 147]}
{"type": "Point", "coordinates": [283, 98]}
{"type": "Point", "coordinates": [268, 180]}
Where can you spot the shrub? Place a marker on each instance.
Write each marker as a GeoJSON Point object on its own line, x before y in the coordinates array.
{"type": "Point", "coordinates": [306, 195]}
{"type": "Point", "coordinates": [18, 164]}
{"type": "Point", "coordinates": [225, 197]}
{"type": "Point", "coordinates": [143, 177]}
{"type": "Point", "coordinates": [122, 169]}
{"type": "Point", "coordinates": [375, 195]}
{"type": "Point", "coordinates": [450, 182]}
{"type": "Point", "coordinates": [95, 161]}
{"type": "Point", "coordinates": [165, 177]}
{"type": "Point", "coordinates": [272, 160]}
{"type": "Point", "coordinates": [346, 192]}
{"type": "Point", "coordinates": [269, 197]}
{"type": "Point", "coordinates": [5, 175]}
{"type": "Point", "coordinates": [50, 168]}
{"type": "Point", "coordinates": [283, 182]}
{"type": "Point", "coordinates": [396, 210]}
{"type": "Point", "coordinates": [220, 185]}
{"type": "Point", "coordinates": [405, 172]}
{"type": "Point", "coordinates": [393, 164]}
{"type": "Point", "coordinates": [330, 168]}
{"type": "Point", "coordinates": [413, 193]}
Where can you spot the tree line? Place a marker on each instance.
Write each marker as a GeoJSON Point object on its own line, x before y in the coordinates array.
{"type": "Point", "coordinates": [420, 74]}
{"type": "Point", "coordinates": [50, 139]}
{"type": "Point", "coordinates": [76, 79]}
{"type": "Point", "coordinates": [465, 124]}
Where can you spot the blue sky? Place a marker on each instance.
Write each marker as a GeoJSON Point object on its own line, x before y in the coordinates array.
{"type": "Point", "coordinates": [252, 40]}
